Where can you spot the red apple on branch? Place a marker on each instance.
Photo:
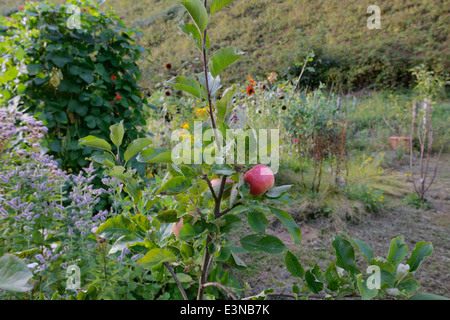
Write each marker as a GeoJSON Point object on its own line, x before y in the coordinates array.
{"type": "Point", "coordinates": [260, 178]}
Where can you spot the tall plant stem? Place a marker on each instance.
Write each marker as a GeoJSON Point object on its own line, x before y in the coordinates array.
{"type": "Point", "coordinates": [185, 297]}
{"type": "Point", "coordinates": [205, 269]}
{"type": "Point", "coordinates": [208, 92]}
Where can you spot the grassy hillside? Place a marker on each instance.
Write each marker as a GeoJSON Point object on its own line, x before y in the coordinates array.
{"type": "Point", "coordinates": [275, 34]}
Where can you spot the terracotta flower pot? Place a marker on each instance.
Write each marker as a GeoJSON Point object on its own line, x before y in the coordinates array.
{"type": "Point", "coordinates": [395, 142]}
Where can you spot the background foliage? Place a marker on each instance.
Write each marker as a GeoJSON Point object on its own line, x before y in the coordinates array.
{"type": "Point", "coordinates": [77, 81]}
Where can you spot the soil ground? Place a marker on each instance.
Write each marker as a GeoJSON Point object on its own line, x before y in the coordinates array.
{"type": "Point", "coordinates": [266, 271]}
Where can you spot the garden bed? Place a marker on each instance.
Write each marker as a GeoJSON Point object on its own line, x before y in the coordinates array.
{"type": "Point", "coordinates": [377, 230]}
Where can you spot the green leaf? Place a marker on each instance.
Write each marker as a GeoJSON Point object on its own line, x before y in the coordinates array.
{"type": "Point", "coordinates": [364, 248]}
{"type": "Point", "coordinates": [95, 142]}
{"type": "Point", "coordinates": [155, 155]}
{"type": "Point", "coordinates": [87, 77]}
{"type": "Point", "coordinates": [55, 146]}
{"type": "Point", "coordinates": [105, 159]}
{"type": "Point", "coordinates": [214, 84]}
{"type": "Point", "coordinates": [223, 169]}
{"type": "Point", "coordinates": [142, 222]}
{"type": "Point", "coordinates": [75, 106]}
{"type": "Point", "coordinates": [182, 278]}
{"type": "Point", "coordinates": [268, 244]}
{"type": "Point", "coordinates": [289, 223]}
{"type": "Point", "coordinates": [218, 4]}
{"type": "Point", "coordinates": [397, 251]}
{"type": "Point", "coordinates": [198, 13]}
{"type": "Point", "coordinates": [345, 254]}
{"type": "Point", "coordinates": [191, 31]}
{"type": "Point", "coordinates": [14, 274]}
{"type": "Point", "coordinates": [257, 221]}
{"type": "Point", "coordinates": [116, 227]}
{"type": "Point", "coordinates": [135, 147]}
{"type": "Point", "coordinates": [366, 293]}
{"type": "Point", "coordinates": [155, 257]}
{"type": "Point", "coordinates": [34, 68]}
{"type": "Point", "coordinates": [293, 266]}
{"type": "Point", "coordinates": [222, 59]}
{"type": "Point", "coordinates": [332, 277]}
{"type": "Point", "coordinates": [175, 185]}
{"type": "Point", "coordinates": [60, 59]}
{"type": "Point", "coordinates": [224, 105]}
{"type": "Point", "coordinates": [124, 241]}
{"type": "Point", "coordinates": [236, 262]}
{"type": "Point", "coordinates": [20, 53]}
{"type": "Point", "coordinates": [387, 280]}
{"type": "Point", "coordinates": [409, 286]}
{"type": "Point", "coordinates": [61, 117]}
{"type": "Point", "coordinates": [314, 279]}
{"type": "Point", "coordinates": [189, 231]}
{"type": "Point", "coordinates": [117, 133]}
{"type": "Point", "coordinates": [186, 251]}
{"type": "Point", "coordinates": [186, 84]}
{"type": "Point", "coordinates": [427, 296]}
{"type": "Point", "coordinates": [275, 192]}
{"type": "Point", "coordinates": [231, 221]}
{"type": "Point", "coordinates": [168, 216]}
{"type": "Point", "coordinates": [223, 254]}
{"type": "Point", "coordinates": [383, 264]}
{"type": "Point", "coordinates": [422, 250]}
{"type": "Point", "coordinates": [118, 172]}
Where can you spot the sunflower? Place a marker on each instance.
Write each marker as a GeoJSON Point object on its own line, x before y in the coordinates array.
{"type": "Point", "coordinates": [250, 90]}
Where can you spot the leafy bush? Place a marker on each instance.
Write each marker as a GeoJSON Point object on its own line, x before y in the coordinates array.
{"type": "Point", "coordinates": [413, 200]}
{"type": "Point", "coordinates": [381, 277]}
{"type": "Point", "coordinates": [48, 219]}
{"type": "Point", "coordinates": [77, 81]}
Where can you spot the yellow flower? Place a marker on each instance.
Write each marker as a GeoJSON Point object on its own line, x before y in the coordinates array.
{"type": "Point", "coordinates": [185, 125]}
{"type": "Point", "coordinates": [201, 112]}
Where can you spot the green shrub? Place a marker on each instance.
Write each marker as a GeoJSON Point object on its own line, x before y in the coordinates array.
{"type": "Point", "coordinates": [77, 81]}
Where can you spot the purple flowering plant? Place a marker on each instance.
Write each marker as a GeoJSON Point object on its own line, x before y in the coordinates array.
{"type": "Point", "coordinates": [47, 216]}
